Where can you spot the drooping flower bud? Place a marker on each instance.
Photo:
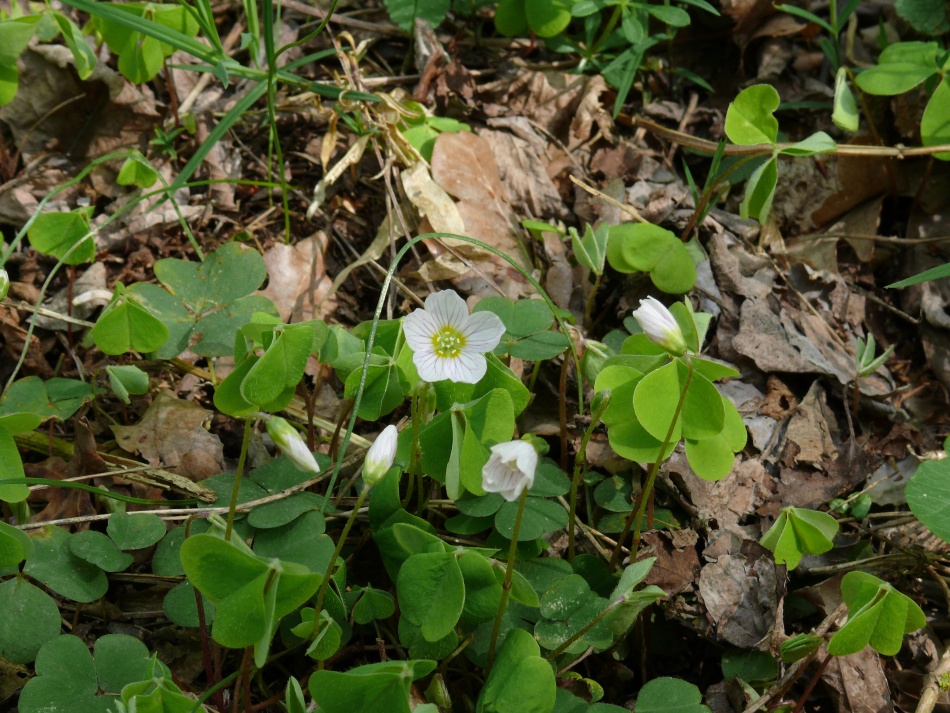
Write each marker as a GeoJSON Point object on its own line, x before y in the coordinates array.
{"type": "Point", "coordinates": [599, 404]}
{"type": "Point", "coordinates": [510, 469]}
{"type": "Point", "coordinates": [659, 324]}
{"type": "Point", "coordinates": [4, 284]}
{"type": "Point", "coordinates": [380, 456]}
{"type": "Point", "coordinates": [291, 444]}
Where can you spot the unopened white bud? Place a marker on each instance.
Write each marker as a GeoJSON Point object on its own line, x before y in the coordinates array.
{"type": "Point", "coordinates": [291, 444]}
{"type": "Point", "coordinates": [380, 456]}
{"type": "Point", "coordinates": [660, 326]}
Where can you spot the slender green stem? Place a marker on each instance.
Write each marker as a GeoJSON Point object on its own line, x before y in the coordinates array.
{"type": "Point", "coordinates": [533, 379]}
{"type": "Point", "coordinates": [611, 24]}
{"type": "Point", "coordinates": [101, 492]}
{"type": "Point", "coordinates": [578, 634]}
{"type": "Point", "coordinates": [636, 516]}
{"type": "Point", "coordinates": [422, 498]}
{"type": "Point", "coordinates": [506, 587]}
{"type": "Point", "coordinates": [580, 462]}
{"type": "Point", "coordinates": [708, 193]}
{"type": "Point", "coordinates": [589, 307]}
{"type": "Point", "coordinates": [248, 427]}
{"type": "Point", "coordinates": [324, 585]}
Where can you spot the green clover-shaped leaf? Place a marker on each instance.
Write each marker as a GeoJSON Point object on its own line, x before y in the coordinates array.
{"type": "Point", "coordinates": [797, 531]}
{"type": "Point", "coordinates": [878, 615]}
{"type": "Point", "coordinates": [204, 304]}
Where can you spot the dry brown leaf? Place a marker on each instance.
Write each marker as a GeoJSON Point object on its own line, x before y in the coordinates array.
{"type": "Point", "coordinates": [82, 118]}
{"type": "Point", "coordinates": [524, 174]}
{"type": "Point", "coordinates": [747, 14]}
{"type": "Point", "coordinates": [14, 339]}
{"type": "Point", "coordinates": [724, 503]}
{"type": "Point", "coordinates": [567, 106]}
{"type": "Point", "coordinates": [677, 562]}
{"type": "Point", "coordinates": [170, 430]}
{"type": "Point", "coordinates": [93, 278]}
{"type": "Point", "coordinates": [297, 280]}
{"type": "Point", "coordinates": [464, 165]}
{"type": "Point", "coordinates": [60, 502]}
{"type": "Point", "coordinates": [858, 179]}
{"type": "Point", "coordinates": [559, 279]}
{"type": "Point", "coordinates": [812, 435]}
{"type": "Point", "coordinates": [432, 201]}
{"type": "Point", "coordinates": [857, 683]}
{"type": "Point", "coordinates": [740, 590]}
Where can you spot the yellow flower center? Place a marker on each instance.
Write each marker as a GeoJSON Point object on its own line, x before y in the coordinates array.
{"type": "Point", "coordinates": [448, 342]}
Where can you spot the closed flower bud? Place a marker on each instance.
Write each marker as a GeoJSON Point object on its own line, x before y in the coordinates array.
{"type": "Point", "coordinates": [660, 326]}
{"type": "Point", "coordinates": [380, 456]}
{"type": "Point", "coordinates": [4, 284]}
{"type": "Point", "coordinates": [599, 404]}
{"type": "Point", "coordinates": [595, 356]}
{"type": "Point", "coordinates": [291, 444]}
{"type": "Point", "coordinates": [510, 469]}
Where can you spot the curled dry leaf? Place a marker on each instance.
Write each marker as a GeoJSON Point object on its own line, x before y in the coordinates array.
{"type": "Point", "coordinates": [464, 166]}
{"type": "Point", "coordinates": [740, 590]}
{"type": "Point", "coordinates": [297, 280]}
{"type": "Point", "coordinates": [172, 433]}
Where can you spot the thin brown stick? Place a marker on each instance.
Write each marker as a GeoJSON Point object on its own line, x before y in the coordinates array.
{"type": "Point", "coordinates": [705, 146]}
{"type": "Point", "coordinates": [784, 683]}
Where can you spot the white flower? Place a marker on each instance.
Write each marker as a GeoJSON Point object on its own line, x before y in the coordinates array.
{"type": "Point", "coordinates": [448, 342]}
{"type": "Point", "coordinates": [4, 284]}
{"type": "Point", "coordinates": [291, 444]}
{"type": "Point", "coordinates": [660, 326]}
{"type": "Point", "coordinates": [510, 469]}
{"type": "Point", "coordinates": [380, 456]}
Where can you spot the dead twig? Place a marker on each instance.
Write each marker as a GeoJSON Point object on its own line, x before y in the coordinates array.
{"type": "Point", "coordinates": [705, 146]}
{"type": "Point", "coordinates": [784, 683]}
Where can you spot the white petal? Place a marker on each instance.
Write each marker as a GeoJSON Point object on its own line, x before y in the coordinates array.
{"type": "Point", "coordinates": [483, 331]}
{"type": "Point", "coordinates": [659, 324]}
{"type": "Point", "coordinates": [472, 365]}
{"type": "Point", "coordinates": [380, 456]}
{"type": "Point", "coordinates": [447, 308]}
{"type": "Point", "coordinates": [456, 371]}
{"type": "Point", "coordinates": [510, 469]}
{"type": "Point", "coordinates": [419, 326]}
{"type": "Point", "coordinates": [428, 365]}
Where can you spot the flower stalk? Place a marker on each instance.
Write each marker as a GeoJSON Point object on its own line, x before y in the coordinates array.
{"type": "Point", "coordinates": [232, 506]}
{"type": "Point", "coordinates": [636, 515]}
{"type": "Point", "coordinates": [598, 406]}
{"type": "Point", "coordinates": [506, 586]}
{"type": "Point", "coordinates": [328, 575]}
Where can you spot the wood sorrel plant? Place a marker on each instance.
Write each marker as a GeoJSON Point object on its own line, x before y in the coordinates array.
{"type": "Point", "coordinates": [661, 391]}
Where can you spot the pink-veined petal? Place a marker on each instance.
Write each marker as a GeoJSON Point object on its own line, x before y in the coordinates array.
{"type": "Point", "coordinates": [447, 308]}
{"type": "Point", "coordinates": [483, 331]}
{"type": "Point", "coordinates": [428, 365]}
{"type": "Point", "coordinates": [419, 326]}
{"type": "Point", "coordinates": [471, 365]}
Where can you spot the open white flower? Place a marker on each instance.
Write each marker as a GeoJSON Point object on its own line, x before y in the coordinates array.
{"type": "Point", "coordinates": [380, 456]}
{"type": "Point", "coordinates": [660, 326]}
{"type": "Point", "coordinates": [510, 469]}
{"type": "Point", "coordinates": [448, 342]}
{"type": "Point", "coordinates": [291, 444]}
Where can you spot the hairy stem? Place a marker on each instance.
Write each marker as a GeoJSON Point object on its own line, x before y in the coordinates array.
{"type": "Point", "coordinates": [248, 427]}
{"type": "Point", "coordinates": [322, 592]}
{"type": "Point", "coordinates": [580, 462]}
{"type": "Point", "coordinates": [506, 587]}
{"type": "Point", "coordinates": [636, 516]}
